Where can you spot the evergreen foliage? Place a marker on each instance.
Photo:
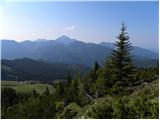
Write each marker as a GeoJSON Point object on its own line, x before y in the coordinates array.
{"type": "Point", "coordinates": [120, 64]}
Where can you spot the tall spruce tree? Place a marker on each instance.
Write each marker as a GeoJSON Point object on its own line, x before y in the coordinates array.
{"type": "Point", "coordinates": [94, 72]}
{"type": "Point", "coordinates": [120, 62]}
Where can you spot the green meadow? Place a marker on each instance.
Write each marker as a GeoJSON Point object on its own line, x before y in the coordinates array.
{"type": "Point", "coordinates": [26, 86]}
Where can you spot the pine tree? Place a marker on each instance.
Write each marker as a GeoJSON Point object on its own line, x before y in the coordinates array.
{"type": "Point", "coordinates": [120, 62]}
{"type": "Point", "coordinates": [59, 90]}
{"type": "Point", "coordinates": [100, 86]}
{"type": "Point", "coordinates": [91, 80]}
{"type": "Point", "coordinates": [96, 66]}
{"type": "Point", "coordinates": [94, 72]}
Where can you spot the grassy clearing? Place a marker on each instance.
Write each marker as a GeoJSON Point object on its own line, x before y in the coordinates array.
{"type": "Point", "coordinates": [9, 83]}
{"type": "Point", "coordinates": [27, 87]}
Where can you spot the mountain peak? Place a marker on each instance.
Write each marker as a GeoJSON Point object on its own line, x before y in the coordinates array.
{"type": "Point", "coordinates": [64, 40]}
{"type": "Point", "coordinates": [64, 36]}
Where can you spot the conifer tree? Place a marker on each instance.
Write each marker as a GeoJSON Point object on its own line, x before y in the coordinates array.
{"type": "Point", "coordinates": [91, 80]}
{"type": "Point", "coordinates": [96, 66]}
{"type": "Point", "coordinates": [120, 62]}
{"type": "Point", "coordinates": [94, 74]}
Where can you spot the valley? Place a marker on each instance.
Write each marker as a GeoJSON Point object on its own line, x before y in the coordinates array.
{"type": "Point", "coordinates": [26, 86]}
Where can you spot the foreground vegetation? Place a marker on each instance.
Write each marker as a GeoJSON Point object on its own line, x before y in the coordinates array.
{"type": "Point", "coordinates": [142, 103]}
{"type": "Point", "coordinates": [116, 90]}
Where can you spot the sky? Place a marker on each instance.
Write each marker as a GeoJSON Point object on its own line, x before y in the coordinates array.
{"type": "Point", "coordinates": [86, 21]}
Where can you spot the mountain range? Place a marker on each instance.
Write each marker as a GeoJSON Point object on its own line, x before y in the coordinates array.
{"type": "Point", "coordinates": [66, 50]}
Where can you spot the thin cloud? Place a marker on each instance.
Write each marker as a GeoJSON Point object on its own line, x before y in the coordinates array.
{"type": "Point", "coordinates": [70, 28]}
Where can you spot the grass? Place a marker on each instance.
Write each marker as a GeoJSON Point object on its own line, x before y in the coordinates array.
{"type": "Point", "coordinates": [27, 87]}
{"type": "Point", "coordinates": [9, 83]}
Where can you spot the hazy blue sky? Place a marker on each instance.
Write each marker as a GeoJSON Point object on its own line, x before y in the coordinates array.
{"type": "Point", "coordinates": [85, 21]}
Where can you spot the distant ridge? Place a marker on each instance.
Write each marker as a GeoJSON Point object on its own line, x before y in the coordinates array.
{"type": "Point", "coordinates": [66, 50]}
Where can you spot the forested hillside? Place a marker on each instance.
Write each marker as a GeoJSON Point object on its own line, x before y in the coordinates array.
{"type": "Point", "coordinates": [29, 69]}
{"type": "Point", "coordinates": [115, 90]}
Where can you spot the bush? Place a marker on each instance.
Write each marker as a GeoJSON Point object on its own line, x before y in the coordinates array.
{"type": "Point", "coordinates": [101, 109]}
{"type": "Point", "coordinates": [71, 111]}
